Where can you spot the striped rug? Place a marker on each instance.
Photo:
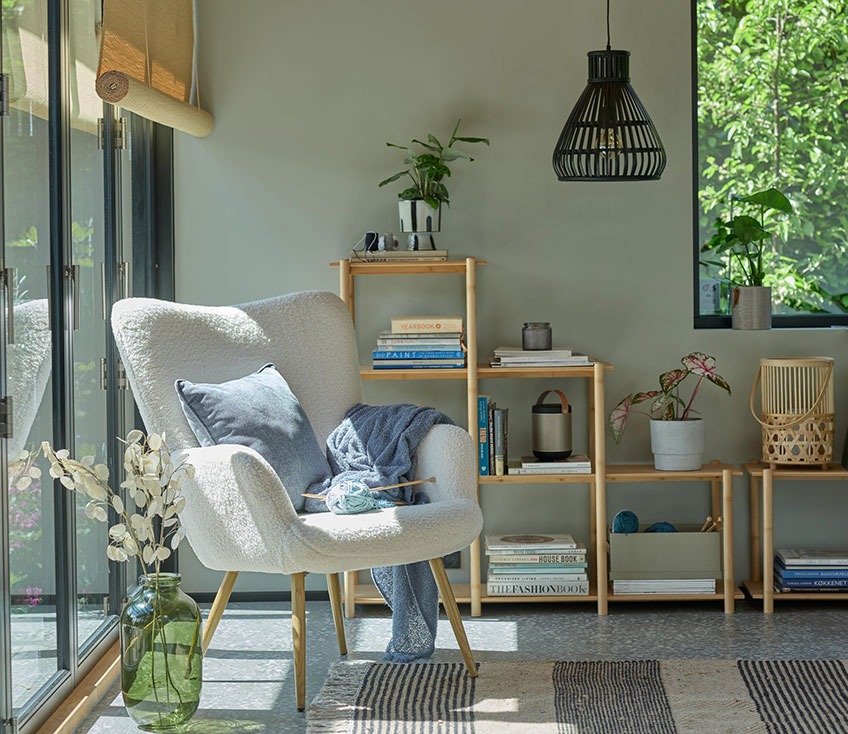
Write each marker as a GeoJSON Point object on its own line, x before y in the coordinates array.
{"type": "Point", "coordinates": [593, 697]}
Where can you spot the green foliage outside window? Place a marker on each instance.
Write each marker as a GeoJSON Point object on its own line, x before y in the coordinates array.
{"type": "Point", "coordinates": [773, 112]}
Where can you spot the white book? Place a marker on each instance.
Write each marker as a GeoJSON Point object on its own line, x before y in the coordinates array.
{"type": "Point", "coordinates": [534, 353]}
{"type": "Point", "coordinates": [516, 469]}
{"type": "Point", "coordinates": [807, 557]}
{"type": "Point", "coordinates": [569, 588]}
{"type": "Point", "coordinates": [560, 578]}
{"type": "Point", "coordinates": [531, 542]}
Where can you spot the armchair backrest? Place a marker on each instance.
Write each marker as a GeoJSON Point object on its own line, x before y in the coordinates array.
{"type": "Point", "coordinates": [308, 335]}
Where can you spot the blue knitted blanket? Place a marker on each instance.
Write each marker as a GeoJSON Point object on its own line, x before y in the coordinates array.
{"type": "Point", "coordinates": [376, 444]}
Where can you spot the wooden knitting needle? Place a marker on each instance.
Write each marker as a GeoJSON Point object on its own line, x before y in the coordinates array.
{"type": "Point", "coordinates": [706, 524]}
{"type": "Point", "coordinates": [715, 525]}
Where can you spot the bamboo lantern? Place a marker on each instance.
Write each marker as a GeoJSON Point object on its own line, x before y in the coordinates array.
{"type": "Point", "coordinates": [797, 410]}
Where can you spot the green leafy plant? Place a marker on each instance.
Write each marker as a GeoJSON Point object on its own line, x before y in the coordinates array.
{"type": "Point", "coordinates": [427, 167]}
{"type": "Point", "coordinates": [667, 403]}
{"type": "Point", "coordinates": [742, 239]}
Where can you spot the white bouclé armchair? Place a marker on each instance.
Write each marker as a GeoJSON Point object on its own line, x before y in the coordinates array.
{"type": "Point", "coordinates": [238, 516]}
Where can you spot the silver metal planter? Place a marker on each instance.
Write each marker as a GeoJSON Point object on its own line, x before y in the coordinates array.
{"type": "Point", "coordinates": [677, 445]}
{"type": "Point", "coordinates": [751, 307]}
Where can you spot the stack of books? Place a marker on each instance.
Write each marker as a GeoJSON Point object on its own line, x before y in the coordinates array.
{"type": "Point", "coordinates": [377, 256]}
{"type": "Point", "coordinates": [664, 586]}
{"type": "Point", "coordinates": [420, 342]}
{"type": "Point", "coordinates": [574, 464]}
{"type": "Point", "coordinates": [517, 357]}
{"type": "Point", "coordinates": [492, 437]}
{"type": "Point", "coordinates": [799, 569]}
{"type": "Point", "coordinates": [536, 565]}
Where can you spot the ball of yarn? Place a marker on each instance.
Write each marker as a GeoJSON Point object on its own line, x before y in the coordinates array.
{"type": "Point", "coordinates": [625, 521]}
{"type": "Point", "coordinates": [661, 527]}
{"type": "Point", "coordinates": [350, 498]}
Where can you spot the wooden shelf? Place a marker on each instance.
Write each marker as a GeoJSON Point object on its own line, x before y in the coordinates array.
{"type": "Point", "coordinates": [755, 591]}
{"type": "Point", "coordinates": [761, 504]}
{"type": "Point", "coordinates": [646, 472]}
{"type": "Point", "coordinates": [416, 267]}
{"type": "Point", "coordinates": [486, 371]}
{"type": "Point", "coordinates": [537, 479]}
{"type": "Point", "coordinates": [821, 473]}
{"type": "Point", "coordinates": [718, 596]}
{"type": "Point", "coordinates": [453, 373]}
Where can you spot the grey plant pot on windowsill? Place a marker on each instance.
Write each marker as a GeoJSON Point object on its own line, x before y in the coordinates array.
{"type": "Point", "coordinates": [751, 307]}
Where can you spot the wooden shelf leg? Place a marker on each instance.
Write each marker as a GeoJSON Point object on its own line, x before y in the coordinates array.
{"type": "Point", "coordinates": [754, 510]}
{"type": "Point", "coordinates": [475, 578]}
{"type": "Point", "coordinates": [350, 578]}
{"type": "Point", "coordinates": [768, 541]}
{"type": "Point", "coordinates": [727, 538]}
{"type": "Point", "coordinates": [600, 488]}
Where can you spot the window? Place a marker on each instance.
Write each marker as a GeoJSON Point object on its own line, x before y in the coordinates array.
{"type": "Point", "coordinates": [771, 110]}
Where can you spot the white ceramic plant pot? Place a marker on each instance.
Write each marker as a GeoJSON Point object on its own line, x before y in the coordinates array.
{"type": "Point", "coordinates": [419, 217]}
{"type": "Point", "coordinates": [751, 307]}
{"type": "Point", "coordinates": [677, 445]}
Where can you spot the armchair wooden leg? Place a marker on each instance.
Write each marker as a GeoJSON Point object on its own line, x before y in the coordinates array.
{"type": "Point", "coordinates": [298, 605]}
{"type": "Point", "coordinates": [334, 588]}
{"type": "Point", "coordinates": [449, 602]}
{"type": "Point", "coordinates": [218, 606]}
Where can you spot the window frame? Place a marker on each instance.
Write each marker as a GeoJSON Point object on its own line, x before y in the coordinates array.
{"type": "Point", "coordinates": [714, 321]}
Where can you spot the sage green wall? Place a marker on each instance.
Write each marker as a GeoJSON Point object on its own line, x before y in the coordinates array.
{"type": "Point", "coordinates": [305, 94]}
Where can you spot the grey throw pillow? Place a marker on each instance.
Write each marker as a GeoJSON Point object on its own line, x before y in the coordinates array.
{"type": "Point", "coordinates": [259, 411]}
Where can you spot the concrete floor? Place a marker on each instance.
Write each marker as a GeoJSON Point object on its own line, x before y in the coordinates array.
{"type": "Point", "coordinates": [248, 677]}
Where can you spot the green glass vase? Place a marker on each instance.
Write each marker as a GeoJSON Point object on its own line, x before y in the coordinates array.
{"type": "Point", "coordinates": [161, 657]}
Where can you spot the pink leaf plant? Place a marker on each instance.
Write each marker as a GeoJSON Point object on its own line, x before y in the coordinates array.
{"type": "Point", "coordinates": [666, 403]}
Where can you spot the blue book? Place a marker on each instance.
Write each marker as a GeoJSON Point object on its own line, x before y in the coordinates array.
{"type": "Point", "coordinates": [412, 365]}
{"type": "Point", "coordinates": [811, 583]}
{"type": "Point", "coordinates": [418, 354]}
{"type": "Point", "coordinates": [483, 433]}
{"type": "Point", "coordinates": [810, 572]}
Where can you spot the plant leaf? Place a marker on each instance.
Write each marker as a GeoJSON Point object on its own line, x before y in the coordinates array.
{"type": "Point", "coordinates": [474, 140]}
{"type": "Point", "coordinates": [671, 379]}
{"type": "Point", "coordinates": [770, 199]}
{"type": "Point", "coordinates": [703, 365]}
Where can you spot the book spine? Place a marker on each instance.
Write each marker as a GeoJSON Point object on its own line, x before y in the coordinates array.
{"type": "Point", "coordinates": [536, 578]}
{"type": "Point", "coordinates": [552, 470]}
{"type": "Point", "coordinates": [812, 561]}
{"type": "Point", "coordinates": [418, 354]}
{"type": "Point", "coordinates": [809, 573]}
{"type": "Point", "coordinates": [491, 456]}
{"type": "Point", "coordinates": [498, 443]}
{"type": "Point", "coordinates": [483, 434]}
{"type": "Point", "coordinates": [418, 325]}
{"type": "Point", "coordinates": [409, 365]}
{"type": "Point", "coordinates": [571, 588]}
{"type": "Point", "coordinates": [557, 558]}
{"type": "Point", "coordinates": [392, 343]}
{"type": "Point", "coordinates": [810, 583]}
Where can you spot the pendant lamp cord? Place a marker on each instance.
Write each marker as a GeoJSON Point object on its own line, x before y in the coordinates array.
{"type": "Point", "coordinates": [608, 32]}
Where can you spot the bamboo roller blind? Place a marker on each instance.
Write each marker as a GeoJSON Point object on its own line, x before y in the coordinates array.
{"type": "Point", "coordinates": [147, 60]}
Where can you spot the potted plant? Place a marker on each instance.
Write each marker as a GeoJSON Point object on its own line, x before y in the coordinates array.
{"type": "Point", "coordinates": [677, 436]}
{"type": "Point", "coordinates": [420, 205]}
{"type": "Point", "coordinates": [742, 239]}
{"type": "Point", "coordinates": [160, 626]}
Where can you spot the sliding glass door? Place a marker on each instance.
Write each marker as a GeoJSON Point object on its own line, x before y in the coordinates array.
{"type": "Point", "coordinates": [31, 605]}
{"type": "Point", "coordinates": [74, 213]}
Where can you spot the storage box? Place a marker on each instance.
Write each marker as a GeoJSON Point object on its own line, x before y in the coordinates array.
{"type": "Point", "coordinates": [686, 554]}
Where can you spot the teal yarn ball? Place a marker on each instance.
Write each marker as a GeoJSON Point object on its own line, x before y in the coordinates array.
{"type": "Point", "coordinates": [661, 527]}
{"type": "Point", "coordinates": [625, 521]}
{"type": "Point", "coordinates": [350, 498]}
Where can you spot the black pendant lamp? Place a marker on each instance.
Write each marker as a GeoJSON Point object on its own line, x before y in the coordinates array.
{"type": "Point", "coordinates": [609, 135]}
